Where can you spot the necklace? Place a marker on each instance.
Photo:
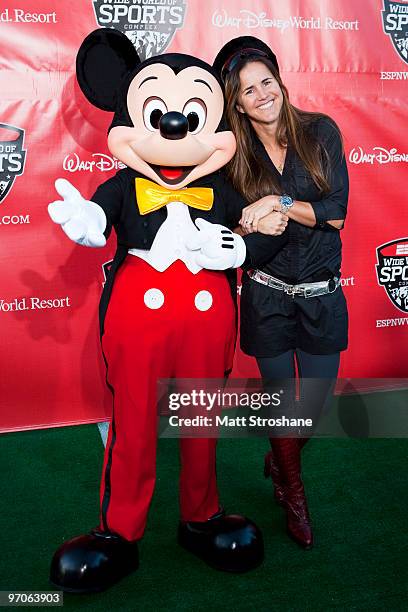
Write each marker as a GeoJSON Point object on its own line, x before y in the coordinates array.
{"type": "Point", "coordinates": [280, 162]}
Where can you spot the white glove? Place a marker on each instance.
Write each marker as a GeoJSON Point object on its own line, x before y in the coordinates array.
{"type": "Point", "coordinates": [83, 221]}
{"type": "Point", "coordinates": [217, 247]}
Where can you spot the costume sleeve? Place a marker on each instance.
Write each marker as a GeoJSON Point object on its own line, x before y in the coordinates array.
{"type": "Point", "coordinates": [109, 196]}
{"type": "Point", "coordinates": [334, 204]}
{"type": "Point", "coordinates": [234, 202]}
{"type": "Point", "coordinates": [260, 247]}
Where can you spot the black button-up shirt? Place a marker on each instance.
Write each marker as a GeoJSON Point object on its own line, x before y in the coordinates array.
{"type": "Point", "coordinates": [311, 253]}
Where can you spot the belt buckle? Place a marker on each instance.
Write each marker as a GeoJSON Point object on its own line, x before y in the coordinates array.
{"type": "Point", "coordinates": [290, 290]}
{"type": "Point", "coordinates": [331, 285]}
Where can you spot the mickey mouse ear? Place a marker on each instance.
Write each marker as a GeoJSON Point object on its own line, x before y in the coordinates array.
{"type": "Point", "coordinates": [240, 48]}
{"type": "Point", "coordinates": [104, 58]}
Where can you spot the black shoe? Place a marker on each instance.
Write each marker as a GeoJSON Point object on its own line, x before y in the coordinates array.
{"type": "Point", "coordinates": [230, 543]}
{"type": "Point", "coordinates": [93, 562]}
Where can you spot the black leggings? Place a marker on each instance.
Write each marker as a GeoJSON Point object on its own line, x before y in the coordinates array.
{"type": "Point", "coordinates": [309, 366]}
{"type": "Point", "coordinates": [317, 376]}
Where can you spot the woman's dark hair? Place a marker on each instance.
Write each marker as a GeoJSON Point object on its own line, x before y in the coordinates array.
{"type": "Point", "coordinates": [247, 171]}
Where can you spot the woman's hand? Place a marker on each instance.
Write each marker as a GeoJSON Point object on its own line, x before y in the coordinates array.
{"type": "Point", "coordinates": [302, 212]}
{"type": "Point", "coordinates": [252, 214]}
{"type": "Point", "coordinates": [273, 224]}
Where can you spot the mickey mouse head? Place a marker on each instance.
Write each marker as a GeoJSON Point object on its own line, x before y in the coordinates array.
{"type": "Point", "coordinates": [168, 110]}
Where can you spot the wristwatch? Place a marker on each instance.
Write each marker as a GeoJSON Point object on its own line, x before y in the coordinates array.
{"type": "Point", "coordinates": [285, 202]}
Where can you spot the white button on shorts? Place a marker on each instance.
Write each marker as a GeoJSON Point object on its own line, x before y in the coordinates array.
{"type": "Point", "coordinates": [154, 298]}
{"type": "Point", "coordinates": [203, 300]}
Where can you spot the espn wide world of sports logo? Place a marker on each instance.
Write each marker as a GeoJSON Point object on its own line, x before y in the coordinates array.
{"type": "Point", "coordinates": [392, 271]}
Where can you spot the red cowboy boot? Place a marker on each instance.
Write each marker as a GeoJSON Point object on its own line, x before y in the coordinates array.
{"type": "Point", "coordinates": [287, 456]}
{"type": "Point", "coordinates": [302, 441]}
{"type": "Point", "coordinates": [271, 470]}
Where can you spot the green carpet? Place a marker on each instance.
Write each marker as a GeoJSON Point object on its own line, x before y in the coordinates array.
{"type": "Point", "coordinates": [358, 498]}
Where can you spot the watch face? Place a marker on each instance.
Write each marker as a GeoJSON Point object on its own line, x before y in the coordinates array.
{"type": "Point", "coordinates": [286, 200]}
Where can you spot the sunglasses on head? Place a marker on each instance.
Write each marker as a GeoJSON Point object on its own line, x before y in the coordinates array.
{"type": "Point", "coordinates": [236, 57]}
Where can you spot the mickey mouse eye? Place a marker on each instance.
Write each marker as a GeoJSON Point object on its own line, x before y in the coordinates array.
{"type": "Point", "coordinates": [196, 112]}
{"type": "Point", "coordinates": [153, 111]}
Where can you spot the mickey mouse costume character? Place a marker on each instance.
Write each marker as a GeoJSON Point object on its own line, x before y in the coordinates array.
{"type": "Point", "coordinates": [167, 310]}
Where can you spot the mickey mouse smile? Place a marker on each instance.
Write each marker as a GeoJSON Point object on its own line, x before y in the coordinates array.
{"type": "Point", "coordinates": [172, 174]}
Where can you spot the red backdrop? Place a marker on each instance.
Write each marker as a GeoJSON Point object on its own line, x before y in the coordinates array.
{"type": "Point", "coordinates": [348, 59]}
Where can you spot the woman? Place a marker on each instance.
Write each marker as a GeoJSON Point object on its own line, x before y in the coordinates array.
{"type": "Point", "coordinates": [293, 311]}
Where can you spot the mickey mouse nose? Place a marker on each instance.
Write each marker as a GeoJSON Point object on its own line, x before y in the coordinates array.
{"type": "Point", "coordinates": [173, 125]}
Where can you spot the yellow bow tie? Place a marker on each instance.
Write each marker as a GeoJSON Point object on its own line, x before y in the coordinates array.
{"type": "Point", "coordinates": [151, 196]}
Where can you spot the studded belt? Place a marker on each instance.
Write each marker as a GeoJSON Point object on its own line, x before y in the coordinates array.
{"type": "Point", "coordinates": [306, 290]}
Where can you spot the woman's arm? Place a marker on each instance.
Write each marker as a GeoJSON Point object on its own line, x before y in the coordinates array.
{"type": "Point", "coordinates": [330, 210]}
{"type": "Point", "coordinates": [302, 212]}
